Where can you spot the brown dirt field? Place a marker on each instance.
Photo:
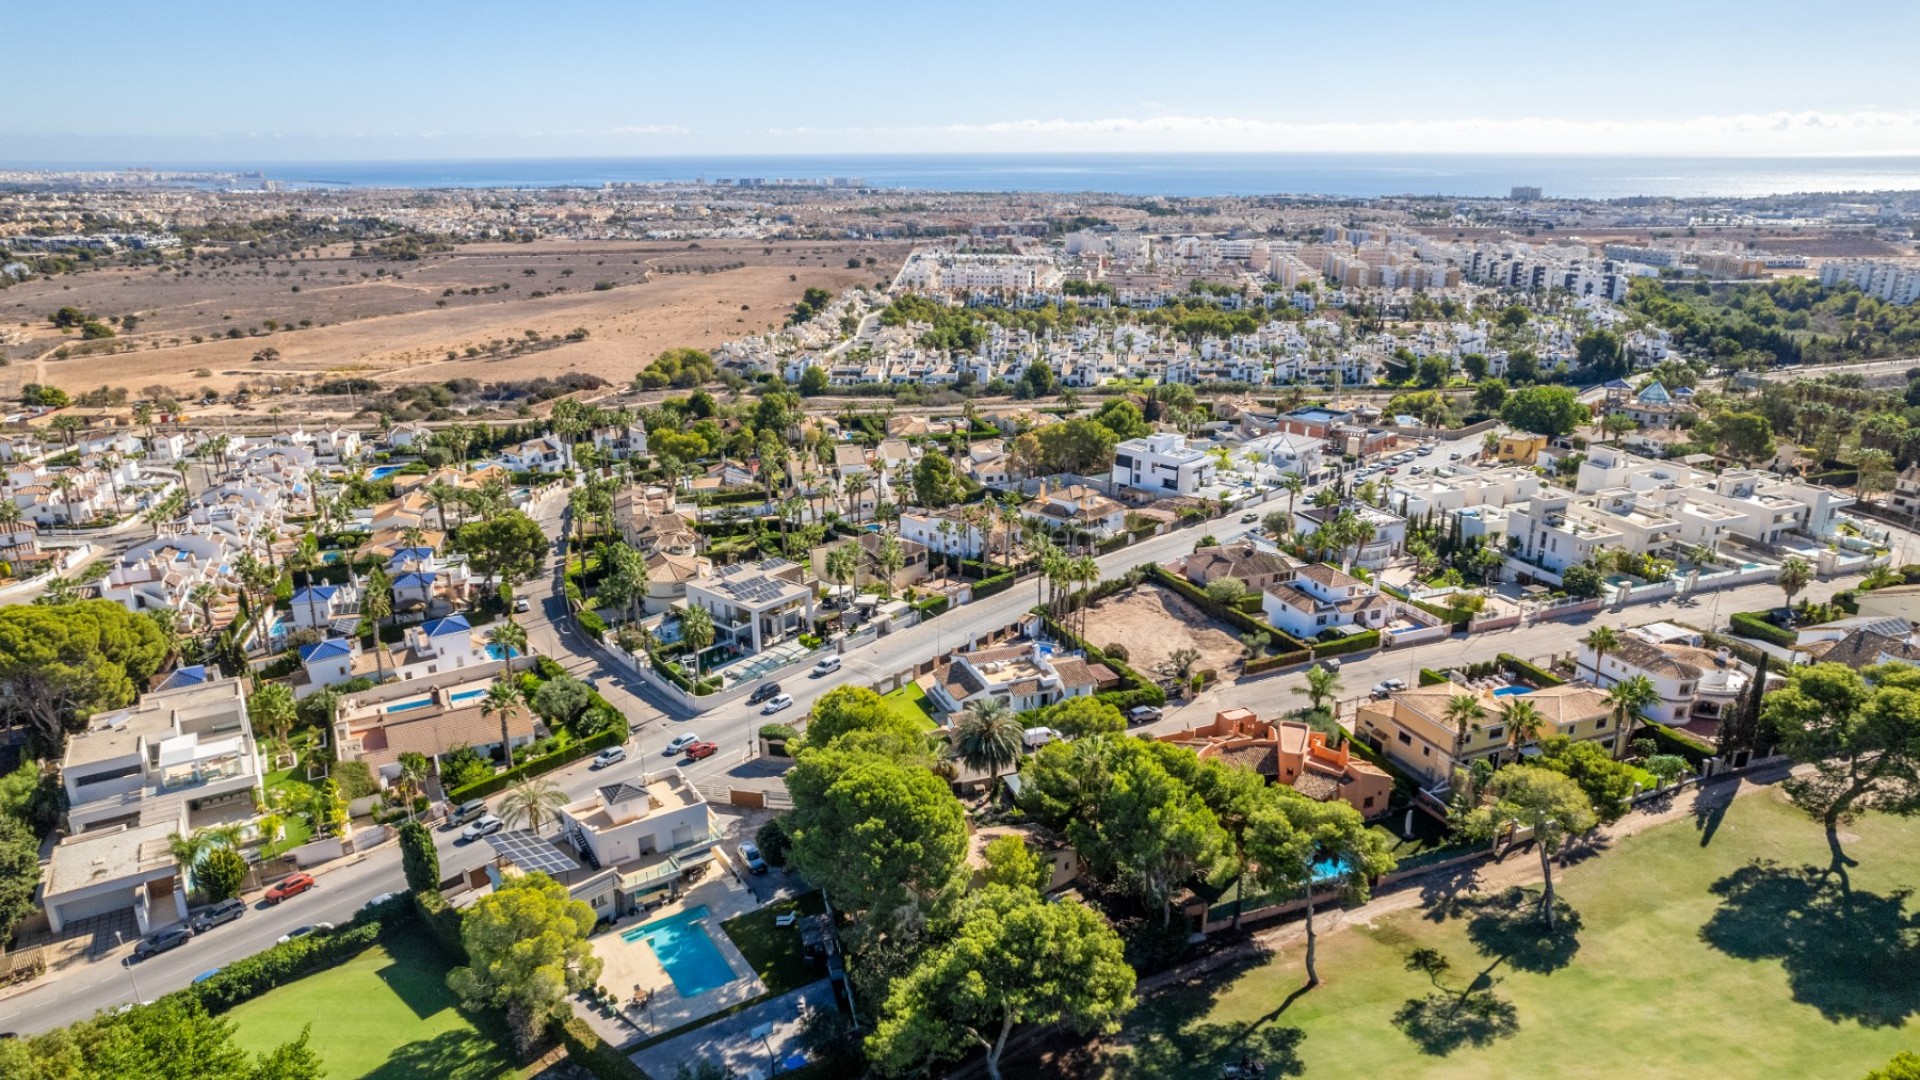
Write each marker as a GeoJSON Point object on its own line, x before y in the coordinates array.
{"type": "Point", "coordinates": [1152, 622]}
{"type": "Point", "coordinates": [397, 330]}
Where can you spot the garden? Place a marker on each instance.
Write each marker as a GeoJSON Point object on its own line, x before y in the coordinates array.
{"type": "Point", "coordinates": [1711, 939]}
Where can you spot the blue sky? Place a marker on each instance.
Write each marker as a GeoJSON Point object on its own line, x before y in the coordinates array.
{"type": "Point", "coordinates": [141, 81]}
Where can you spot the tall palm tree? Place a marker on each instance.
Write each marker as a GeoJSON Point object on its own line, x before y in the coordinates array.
{"type": "Point", "coordinates": [376, 604]}
{"type": "Point", "coordinates": [696, 632]}
{"type": "Point", "coordinates": [1322, 686]}
{"type": "Point", "coordinates": [414, 769]}
{"type": "Point", "coordinates": [503, 701]}
{"type": "Point", "coordinates": [1293, 484]}
{"type": "Point", "coordinates": [988, 737]}
{"type": "Point", "coordinates": [510, 636]}
{"type": "Point", "coordinates": [533, 800]}
{"type": "Point", "coordinates": [1523, 722]}
{"type": "Point", "coordinates": [1085, 571]}
{"type": "Point", "coordinates": [1464, 713]}
{"type": "Point", "coordinates": [1795, 575]}
{"type": "Point", "coordinates": [1602, 640]}
{"type": "Point", "coordinates": [1629, 698]}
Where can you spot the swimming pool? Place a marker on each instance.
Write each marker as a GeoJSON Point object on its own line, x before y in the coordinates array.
{"type": "Point", "coordinates": [469, 695]}
{"type": "Point", "coordinates": [381, 472]}
{"type": "Point", "coordinates": [495, 651]}
{"type": "Point", "coordinates": [405, 706]}
{"type": "Point", "coordinates": [1512, 691]}
{"type": "Point", "coordinates": [683, 947]}
{"type": "Point", "coordinates": [1328, 869]}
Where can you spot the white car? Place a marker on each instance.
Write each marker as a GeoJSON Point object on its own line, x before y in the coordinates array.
{"type": "Point", "coordinates": [610, 756]}
{"type": "Point", "coordinates": [827, 666]}
{"type": "Point", "coordinates": [303, 931]}
{"type": "Point", "coordinates": [776, 703]}
{"type": "Point", "coordinates": [1037, 737]}
{"type": "Point", "coordinates": [381, 899]}
{"type": "Point", "coordinates": [486, 826]}
{"type": "Point", "coordinates": [681, 742]}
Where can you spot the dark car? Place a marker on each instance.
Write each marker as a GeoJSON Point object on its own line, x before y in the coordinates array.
{"type": "Point", "coordinates": [223, 912]}
{"type": "Point", "coordinates": [1784, 618]}
{"type": "Point", "coordinates": [763, 692]}
{"type": "Point", "coordinates": [154, 944]}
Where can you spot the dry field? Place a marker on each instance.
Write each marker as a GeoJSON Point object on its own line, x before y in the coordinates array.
{"type": "Point", "coordinates": [1152, 622]}
{"type": "Point", "coordinates": [401, 327]}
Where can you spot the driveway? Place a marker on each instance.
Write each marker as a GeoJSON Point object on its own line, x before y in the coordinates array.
{"type": "Point", "coordinates": [734, 1041]}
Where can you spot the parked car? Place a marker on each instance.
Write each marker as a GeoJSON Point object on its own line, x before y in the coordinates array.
{"type": "Point", "coordinates": [827, 666]}
{"type": "Point", "coordinates": [1037, 737]}
{"type": "Point", "coordinates": [776, 703]}
{"type": "Point", "coordinates": [1142, 714]}
{"type": "Point", "coordinates": [750, 854]}
{"type": "Point", "coordinates": [702, 750]}
{"type": "Point", "coordinates": [223, 912]}
{"type": "Point", "coordinates": [1386, 688]}
{"type": "Point", "coordinates": [1393, 470]}
{"type": "Point", "coordinates": [612, 755]}
{"type": "Point", "coordinates": [290, 887]}
{"type": "Point", "coordinates": [205, 975]}
{"type": "Point", "coordinates": [486, 826]}
{"type": "Point", "coordinates": [521, 605]}
{"type": "Point", "coordinates": [1247, 519]}
{"type": "Point", "coordinates": [1424, 451]}
{"type": "Point", "coordinates": [155, 944]}
{"type": "Point", "coordinates": [381, 899]}
{"type": "Point", "coordinates": [762, 692]}
{"type": "Point", "coordinates": [303, 931]}
{"type": "Point", "coordinates": [467, 811]}
{"type": "Point", "coordinates": [1331, 663]}
{"type": "Point", "coordinates": [680, 743]}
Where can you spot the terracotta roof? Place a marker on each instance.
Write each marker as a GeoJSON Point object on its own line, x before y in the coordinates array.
{"type": "Point", "coordinates": [1652, 658]}
{"type": "Point", "coordinates": [1075, 672]}
{"type": "Point", "coordinates": [1316, 786]}
{"type": "Point", "coordinates": [1864, 648]}
{"type": "Point", "coordinates": [1329, 575]}
{"type": "Point", "coordinates": [441, 732]}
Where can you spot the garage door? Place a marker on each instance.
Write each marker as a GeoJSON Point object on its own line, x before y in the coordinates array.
{"type": "Point", "coordinates": [107, 903]}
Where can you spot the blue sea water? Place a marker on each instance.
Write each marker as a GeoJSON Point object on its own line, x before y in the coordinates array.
{"type": "Point", "coordinates": [1344, 175]}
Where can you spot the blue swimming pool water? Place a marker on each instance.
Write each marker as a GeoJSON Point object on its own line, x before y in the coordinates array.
{"type": "Point", "coordinates": [381, 472]}
{"type": "Point", "coordinates": [1512, 691]}
{"type": "Point", "coordinates": [683, 947]}
{"type": "Point", "coordinates": [419, 703]}
{"type": "Point", "coordinates": [495, 651]}
{"type": "Point", "coordinates": [1328, 869]}
{"type": "Point", "coordinates": [469, 695]}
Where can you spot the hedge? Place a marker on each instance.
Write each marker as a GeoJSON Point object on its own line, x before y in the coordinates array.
{"type": "Point", "coordinates": [1268, 663]}
{"type": "Point", "coordinates": [931, 606]}
{"type": "Point", "coordinates": [588, 1050]}
{"type": "Point", "coordinates": [1541, 677]}
{"type": "Point", "coordinates": [442, 921]}
{"type": "Point", "coordinates": [1366, 639]}
{"type": "Point", "coordinates": [593, 744]}
{"type": "Point", "coordinates": [1752, 624]}
{"type": "Point", "coordinates": [1674, 741]}
{"type": "Point", "coordinates": [1430, 677]}
{"type": "Point", "coordinates": [251, 976]}
{"type": "Point", "coordinates": [998, 583]}
{"type": "Point", "coordinates": [591, 622]}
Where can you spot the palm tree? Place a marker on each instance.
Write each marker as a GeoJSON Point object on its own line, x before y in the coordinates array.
{"type": "Point", "coordinates": [1293, 484]}
{"type": "Point", "coordinates": [1629, 697]}
{"type": "Point", "coordinates": [532, 799]}
{"type": "Point", "coordinates": [1795, 575]}
{"type": "Point", "coordinates": [303, 559]}
{"type": "Point", "coordinates": [1523, 722]}
{"type": "Point", "coordinates": [510, 636]}
{"type": "Point", "coordinates": [503, 701]}
{"type": "Point", "coordinates": [988, 738]}
{"type": "Point", "coordinates": [696, 632]}
{"type": "Point", "coordinates": [1084, 571]}
{"type": "Point", "coordinates": [376, 604]}
{"type": "Point", "coordinates": [843, 563]}
{"type": "Point", "coordinates": [1602, 640]}
{"type": "Point", "coordinates": [414, 769]}
{"type": "Point", "coordinates": [1464, 713]}
{"type": "Point", "coordinates": [1323, 685]}
{"type": "Point", "coordinates": [202, 597]}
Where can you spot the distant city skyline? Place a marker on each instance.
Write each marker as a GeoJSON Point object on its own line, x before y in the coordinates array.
{"type": "Point", "coordinates": [356, 81]}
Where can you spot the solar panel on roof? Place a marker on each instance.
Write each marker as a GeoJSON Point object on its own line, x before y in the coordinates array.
{"type": "Point", "coordinates": [530, 852]}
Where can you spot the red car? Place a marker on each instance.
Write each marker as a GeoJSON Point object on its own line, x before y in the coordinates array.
{"type": "Point", "coordinates": [289, 888]}
{"type": "Point", "coordinates": [702, 749]}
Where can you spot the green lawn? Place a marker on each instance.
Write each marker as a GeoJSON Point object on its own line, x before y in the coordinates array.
{"type": "Point", "coordinates": [384, 1015]}
{"type": "Point", "coordinates": [774, 951]}
{"type": "Point", "coordinates": [1703, 948]}
{"type": "Point", "coordinates": [911, 702]}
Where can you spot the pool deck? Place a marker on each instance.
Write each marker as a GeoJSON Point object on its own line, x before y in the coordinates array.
{"type": "Point", "coordinates": [731, 1041]}
{"type": "Point", "coordinates": [627, 964]}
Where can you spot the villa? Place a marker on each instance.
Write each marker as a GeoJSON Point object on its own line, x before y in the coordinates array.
{"type": "Point", "coordinates": [758, 604]}
{"type": "Point", "coordinates": [1292, 754]}
{"type": "Point", "coordinates": [1025, 677]}
{"type": "Point", "coordinates": [1411, 727]}
{"type": "Point", "coordinates": [378, 725]}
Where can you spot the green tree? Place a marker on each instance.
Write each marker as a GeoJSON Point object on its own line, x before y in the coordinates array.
{"type": "Point", "coordinates": [419, 859]}
{"type": "Point", "coordinates": [220, 873]}
{"type": "Point", "coordinates": [1078, 717]}
{"type": "Point", "coordinates": [19, 873]}
{"type": "Point", "coordinates": [1630, 698]}
{"type": "Point", "coordinates": [696, 633]}
{"type": "Point", "coordinates": [1795, 575]}
{"type": "Point", "coordinates": [1322, 686]}
{"type": "Point", "coordinates": [562, 700]}
{"type": "Point", "coordinates": [1226, 591]}
{"type": "Point", "coordinates": [1077, 446]}
{"type": "Point", "coordinates": [1012, 959]}
{"type": "Point", "coordinates": [870, 831]}
{"type": "Point", "coordinates": [1549, 803]}
{"type": "Point", "coordinates": [1904, 1066]}
{"type": "Point", "coordinates": [272, 711]}
{"type": "Point", "coordinates": [852, 708]}
{"type": "Point", "coordinates": [508, 545]}
{"type": "Point", "coordinates": [934, 483]}
{"type": "Point", "coordinates": [532, 801]}
{"type": "Point", "coordinates": [1012, 863]}
{"type": "Point", "coordinates": [502, 700]}
{"type": "Point", "coordinates": [1298, 844]}
{"type": "Point", "coordinates": [1544, 410]}
{"type": "Point", "coordinates": [290, 1061]}
{"type": "Point", "coordinates": [1122, 417]}
{"type": "Point", "coordinates": [527, 952]}
{"type": "Point", "coordinates": [1856, 736]}
{"type": "Point", "coordinates": [1743, 435]}
{"type": "Point", "coordinates": [813, 381]}
{"type": "Point", "coordinates": [1608, 782]}
{"type": "Point", "coordinates": [60, 664]}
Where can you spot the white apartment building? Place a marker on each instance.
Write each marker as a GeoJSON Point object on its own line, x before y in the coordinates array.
{"type": "Point", "coordinates": [1895, 283]}
{"type": "Point", "coordinates": [1163, 463]}
{"type": "Point", "coordinates": [756, 604]}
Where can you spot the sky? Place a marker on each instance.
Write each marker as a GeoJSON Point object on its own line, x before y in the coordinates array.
{"type": "Point", "coordinates": [420, 79]}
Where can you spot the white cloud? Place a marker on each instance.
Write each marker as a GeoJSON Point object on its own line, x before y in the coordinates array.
{"type": "Point", "coordinates": [1865, 131]}
{"type": "Point", "coordinates": [621, 131]}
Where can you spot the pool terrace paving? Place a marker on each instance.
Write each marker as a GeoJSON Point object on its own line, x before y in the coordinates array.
{"type": "Point", "coordinates": [631, 964]}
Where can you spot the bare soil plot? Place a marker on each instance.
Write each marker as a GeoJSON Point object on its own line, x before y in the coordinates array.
{"type": "Point", "coordinates": [1152, 622]}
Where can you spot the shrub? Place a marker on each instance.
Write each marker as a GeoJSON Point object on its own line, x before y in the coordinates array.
{"type": "Point", "coordinates": [1117, 651]}
{"type": "Point", "coordinates": [254, 975]}
{"type": "Point", "coordinates": [1754, 625]}
{"type": "Point", "coordinates": [1430, 677]}
{"type": "Point", "coordinates": [355, 779]}
{"type": "Point", "coordinates": [774, 843]}
{"type": "Point", "coordinates": [1538, 676]}
{"type": "Point", "coordinates": [592, 624]}
{"type": "Point", "coordinates": [536, 766]}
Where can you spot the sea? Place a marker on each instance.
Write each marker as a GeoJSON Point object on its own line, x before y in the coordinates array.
{"type": "Point", "coordinates": [1173, 175]}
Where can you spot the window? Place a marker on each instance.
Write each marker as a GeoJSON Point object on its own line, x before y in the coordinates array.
{"type": "Point", "coordinates": [1496, 733]}
{"type": "Point", "coordinates": [1405, 739]}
